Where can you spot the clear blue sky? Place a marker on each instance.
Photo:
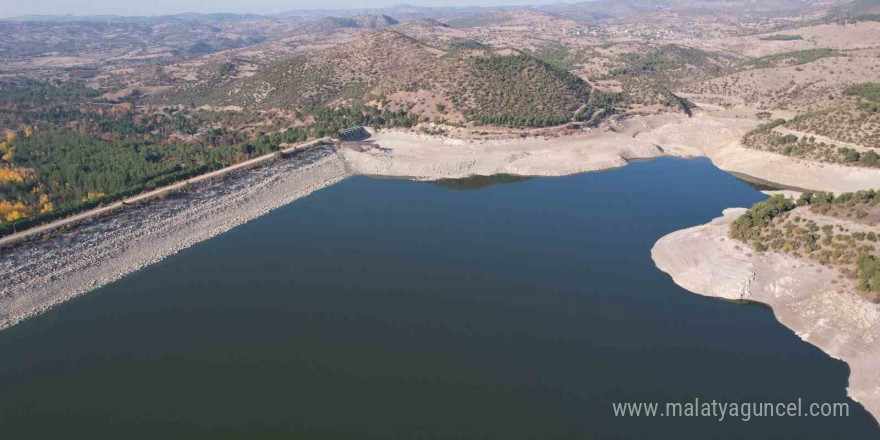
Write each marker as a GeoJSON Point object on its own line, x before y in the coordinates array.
{"type": "Point", "coordinates": [11, 8]}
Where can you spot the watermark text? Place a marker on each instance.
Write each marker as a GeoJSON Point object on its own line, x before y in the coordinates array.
{"type": "Point", "coordinates": [744, 411]}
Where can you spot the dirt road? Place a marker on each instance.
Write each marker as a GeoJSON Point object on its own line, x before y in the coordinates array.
{"type": "Point", "coordinates": [13, 238]}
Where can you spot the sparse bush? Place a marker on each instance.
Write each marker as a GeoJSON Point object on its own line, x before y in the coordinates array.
{"type": "Point", "coordinates": [868, 90]}
{"type": "Point", "coordinates": [792, 58]}
{"type": "Point", "coordinates": [781, 37]}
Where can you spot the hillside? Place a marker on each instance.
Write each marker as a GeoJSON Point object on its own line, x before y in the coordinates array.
{"type": "Point", "coordinates": [330, 24]}
{"type": "Point", "coordinates": [650, 75]}
{"type": "Point", "coordinates": [373, 21]}
{"type": "Point", "coordinates": [402, 73]}
{"type": "Point", "coordinates": [335, 75]}
{"type": "Point", "coordinates": [512, 90]}
{"type": "Point", "coordinates": [431, 32]}
{"type": "Point", "coordinates": [856, 9]}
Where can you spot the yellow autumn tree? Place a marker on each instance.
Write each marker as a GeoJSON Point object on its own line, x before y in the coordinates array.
{"type": "Point", "coordinates": [92, 195]}
{"type": "Point", "coordinates": [13, 211]}
{"type": "Point", "coordinates": [46, 204]}
{"type": "Point", "coordinates": [10, 175]}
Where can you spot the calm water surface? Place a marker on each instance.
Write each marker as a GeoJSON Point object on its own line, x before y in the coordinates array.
{"type": "Point", "coordinates": [388, 309]}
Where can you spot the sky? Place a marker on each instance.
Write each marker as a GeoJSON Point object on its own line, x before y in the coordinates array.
{"type": "Point", "coordinates": [12, 8]}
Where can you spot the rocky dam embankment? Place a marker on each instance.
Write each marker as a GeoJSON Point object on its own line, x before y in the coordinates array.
{"type": "Point", "coordinates": [60, 265]}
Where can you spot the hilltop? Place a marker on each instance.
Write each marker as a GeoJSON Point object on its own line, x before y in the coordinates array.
{"type": "Point", "coordinates": [331, 76]}
{"type": "Point", "coordinates": [431, 32]}
{"type": "Point", "coordinates": [396, 71]}
{"type": "Point", "coordinates": [330, 24]}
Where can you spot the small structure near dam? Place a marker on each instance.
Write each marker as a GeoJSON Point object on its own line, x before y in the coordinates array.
{"type": "Point", "coordinates": [354, 134]}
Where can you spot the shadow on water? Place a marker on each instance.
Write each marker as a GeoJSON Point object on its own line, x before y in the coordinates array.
{"type": "Point", "coordinates": [392, 309]}
{"type": "Point", "coordinates": [478, 182]}
{"type": "Point", "coordinates": [764, 185]}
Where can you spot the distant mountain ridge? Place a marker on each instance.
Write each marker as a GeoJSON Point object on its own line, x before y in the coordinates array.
{"type": "Point", "coordinates": [584, 10]}
{"type": "Point", "coordinates": [182, 17]}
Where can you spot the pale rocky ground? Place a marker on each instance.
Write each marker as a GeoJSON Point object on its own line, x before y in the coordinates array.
{"type": "Point", "coordinates": [712, 132]}
{"type": "Point", "coordinates": [847, 37]}
{"type": "Point", "coordinates": [807, 87]}
{"type": "Point", "coordinates": [41, 274]}
{"type": "Point", "coordinates": [403, 154]}
{"type": "Point", "coordinates": [810, 299]}
{"type": "Point", "coordinates": [717, 137]}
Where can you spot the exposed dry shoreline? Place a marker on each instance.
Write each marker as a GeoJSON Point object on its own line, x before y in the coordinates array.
{"type": "Point", "coordinates": [423, 157]}
{"type": "Point", "coordinates": [808, 298]}
{"type": "Point", "coordinates": [712, 134]}
{"type": "Point", "coordinates": [40, 274]}
{"type": "Point", "coordinates": [718, 138]}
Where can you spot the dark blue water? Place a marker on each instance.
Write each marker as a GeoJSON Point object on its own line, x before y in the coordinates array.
{"type": "Point", "coordinates": [389, 309]}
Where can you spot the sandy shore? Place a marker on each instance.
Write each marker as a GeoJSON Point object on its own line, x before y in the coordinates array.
{"type": "Point", "coordinates": [810, 299]}
{"type": "Point", "coordinates": [61, 265]}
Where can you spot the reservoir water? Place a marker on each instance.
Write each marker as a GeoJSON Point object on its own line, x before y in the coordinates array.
{"type": "Point", "coordinates": [487, 308]}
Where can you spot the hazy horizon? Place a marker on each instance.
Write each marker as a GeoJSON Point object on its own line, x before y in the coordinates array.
{"type": "Point", "coordinates": [167, 7]}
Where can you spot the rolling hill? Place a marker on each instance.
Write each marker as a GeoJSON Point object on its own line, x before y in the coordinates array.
{"type": "Point", "coordinates": [398, 72]}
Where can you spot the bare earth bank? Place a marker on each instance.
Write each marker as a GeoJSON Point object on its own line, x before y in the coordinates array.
{"type": "Point", "coordinates": [419, 156]}
{"type": "Point", "coordinates": [712, 134]}
{"type": "Point", "coordinates": [808, 298]}
{"type": "Point", "coordinates": [717, 134]}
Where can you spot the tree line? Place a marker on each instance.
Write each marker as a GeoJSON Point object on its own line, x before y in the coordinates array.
{"type": "Point", "coordinates": [756, 227]}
